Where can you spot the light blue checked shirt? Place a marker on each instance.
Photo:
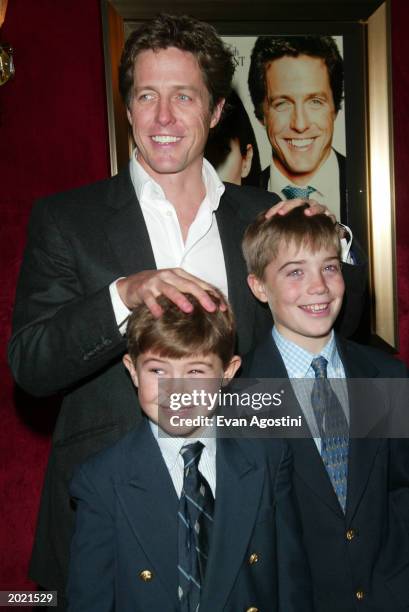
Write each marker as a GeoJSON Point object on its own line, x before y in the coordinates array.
{"type": "Point", "coordinates": [298, 365]}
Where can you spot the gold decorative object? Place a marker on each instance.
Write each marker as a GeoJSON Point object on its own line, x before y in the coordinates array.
{"type": "Point", "coordinates": [6, 63]}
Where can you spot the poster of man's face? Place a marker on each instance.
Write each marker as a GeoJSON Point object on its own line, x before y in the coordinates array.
{"type": "Point", "coordinates": [292, 90]}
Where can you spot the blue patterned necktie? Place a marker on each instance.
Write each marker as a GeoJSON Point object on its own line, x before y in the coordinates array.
{"type": "Point", "coordinates": [333, 429]}
{"type": "Point", "coordinates": [195, 519]}
{"type": "Point", "coordinates": [290, 192]}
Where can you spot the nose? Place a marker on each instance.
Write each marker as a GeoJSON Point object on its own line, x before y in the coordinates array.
{"type": "Point", "coordinates": [299, 118]}
{"type": "Point", "coordinates": [317, 284]}
{"type": "Point", "coordinates": [164, 112]}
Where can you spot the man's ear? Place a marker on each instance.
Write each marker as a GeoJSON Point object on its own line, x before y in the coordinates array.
{"type": "Point", "coordinates": [247, 161]}
{"type": "Point", "coordinates": [231, 368]}
{"type": "Point", "coordinates": [257, 287]}
{"type": "Point", "coordinates": [128, 363]}
{"type": "Point", "coordinates": [217, 113]}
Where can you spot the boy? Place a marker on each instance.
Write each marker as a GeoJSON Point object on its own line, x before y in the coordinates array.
{"type": "Point", "coordinates": [352, 494]}
{"type": "Point", "coordinates": [167, 523]}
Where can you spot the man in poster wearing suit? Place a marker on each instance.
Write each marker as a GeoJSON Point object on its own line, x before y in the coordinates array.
{"type": "Point", "coordinates": [164, 225]}
{"type": "Point", "coordinates": [296, 85]}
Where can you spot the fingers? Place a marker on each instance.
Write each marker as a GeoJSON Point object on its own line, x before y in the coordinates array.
{"type": "Point", "coordinates": [148, 285]}
{"type": "Point", "coordinates": [314, 208]}
{"type": "Point", "coordinates": [284, 207]}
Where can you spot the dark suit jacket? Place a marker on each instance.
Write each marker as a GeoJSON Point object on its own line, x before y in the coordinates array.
{"type": "Point", "coordinates": [127, 522]}
{"type": "Point", "coordinates": [367, 549]}
{"type": "Point", "coordinates": [265, 177]}
{"type": "Point", "coordinates": [65, 337]}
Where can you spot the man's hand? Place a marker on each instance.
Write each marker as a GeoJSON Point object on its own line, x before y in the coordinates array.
{"type": "Point", "coordinates": [284, 207]}
{"type": "Point", "coordinates": [146, 286]}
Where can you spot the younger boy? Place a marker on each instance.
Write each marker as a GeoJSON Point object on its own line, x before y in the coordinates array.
{"type": "Point", "coordinates": [170, 523]}
{"type": "Point", "coordinates": [352, 494]}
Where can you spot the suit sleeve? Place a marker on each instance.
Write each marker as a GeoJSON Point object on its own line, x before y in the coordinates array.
{"type": "Point", "coordinates": [60, 334]}
{"type": "Point", "coordinates": [294, 580]}
{"type": "Point", "coordinates": [91, 571]}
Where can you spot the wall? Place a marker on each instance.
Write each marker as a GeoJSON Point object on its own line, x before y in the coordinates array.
{"type": "Point", "coordinates": [400, 75]}
{"type": "Point", "coordinates": [53, 136]}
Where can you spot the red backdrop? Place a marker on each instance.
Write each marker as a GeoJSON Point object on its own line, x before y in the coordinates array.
{"type": "Point", "coordinates": [53, 136]}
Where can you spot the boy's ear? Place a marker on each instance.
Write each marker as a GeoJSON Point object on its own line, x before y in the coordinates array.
{"type": "Point", "coordinates": [128, 363]}
{"type": "Point", "coordinates": [232, 367]}
{"type": "Point", "coordinates": [257, 287]}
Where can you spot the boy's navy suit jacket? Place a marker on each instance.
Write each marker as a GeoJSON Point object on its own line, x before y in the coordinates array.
{"type": "Point", "coordinates": [127, 522]}
{"type": "Point", "coordinates": [365, 551]}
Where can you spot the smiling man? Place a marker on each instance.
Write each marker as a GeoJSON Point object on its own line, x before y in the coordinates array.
{"type": "Point", "coordinates": [296, 84]}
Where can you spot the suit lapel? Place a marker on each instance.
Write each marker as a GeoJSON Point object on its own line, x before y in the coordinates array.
{"type": "Point", "coordinates": [238, 492]}
{"type": "Point", "coordinates": [153, 524]}
{"type": "Point", "coordinates": [126, 230]}
{"type": "Point", "coordinates": [268, 363]}
{"type": "Point", "coordinates": [231, 231]}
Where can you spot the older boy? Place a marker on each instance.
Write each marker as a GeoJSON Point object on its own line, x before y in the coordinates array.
{"type": "Point", "coordinates": [352, 494]}
{"type": "Point", "coordinates": [168, 523]}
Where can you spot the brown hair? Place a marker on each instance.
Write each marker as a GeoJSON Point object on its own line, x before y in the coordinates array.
{"type": "Point", "coordinates": [177, 334]}
{"type": "Point", "coordinates": [187, 34]}
{"type": "Point", "coordinates": [263, 238]}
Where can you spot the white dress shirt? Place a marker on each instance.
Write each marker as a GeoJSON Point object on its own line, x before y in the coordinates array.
{"type": "Point", "coordinates": [325, 182]}
{"type": "Point", "coordinates": [170, 448]}
{"type": "Point", "coordinates": [201, 254]}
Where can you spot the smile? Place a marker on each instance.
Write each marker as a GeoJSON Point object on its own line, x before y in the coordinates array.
{"type": "Point", "coordinates": [300, 143]}
{"type": "Point", "coordinates": [165, 139]}
{"type": "Point", "coordinates": [315, 308]}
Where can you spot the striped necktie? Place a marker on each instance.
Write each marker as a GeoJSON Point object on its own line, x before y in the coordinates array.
{"type": "Point", "coordinates": [195, 519]}
{"type": "Point", "coordinates": [333, 429]}
{"type": "Point", "coordinates": [290, 192]}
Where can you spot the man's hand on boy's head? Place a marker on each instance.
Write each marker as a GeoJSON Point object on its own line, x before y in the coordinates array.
{"type": "Point", "coordinates": [148, 285]}
{"type": "Point", "coordinates": [284, 207]}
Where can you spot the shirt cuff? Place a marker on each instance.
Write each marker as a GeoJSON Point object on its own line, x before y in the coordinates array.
{"type": "Point", "coordinates": [346, 244]}
{"type": "Point", "coordinates": [121, 311]}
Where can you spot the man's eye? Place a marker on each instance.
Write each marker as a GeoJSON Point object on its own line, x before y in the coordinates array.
{"type": "Point", "coordinates": [317, 101]}
{"type": "Point", "coordinates": [146, 97]}
{"type": "Point", "coordinates": [280, 105]}
{"type": "Point", "coordinates": [184, 97]}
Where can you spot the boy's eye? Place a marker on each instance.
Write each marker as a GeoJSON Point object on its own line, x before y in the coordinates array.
{"type": "Point", "coordinates": [195, 371]}
{"type": "Point", "coordinates": [295, 273]}
{"type": "Point", "coordinates": [332, 268]}
{"type": "Point", "coordinates": [158, 371]}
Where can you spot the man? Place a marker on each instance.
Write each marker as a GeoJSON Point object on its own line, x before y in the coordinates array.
{"type": "Point", "coordinates": [296, 84]}
{"type": "Point", "coordinates": [156, 228]}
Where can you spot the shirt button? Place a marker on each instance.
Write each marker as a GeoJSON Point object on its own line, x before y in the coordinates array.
{"type": "Point", "coordinates": [254, 558]}
{"type": "Point", "coordinates": [351, 533]}
{"type": "Point", "coordinates": [360, 595]}
{"type": "Point", "coordinates": [145, 575]}
{"type": "Point", "coordinates": [168, 213]}
{"type": "Point", "coordinates": [252, 609]}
